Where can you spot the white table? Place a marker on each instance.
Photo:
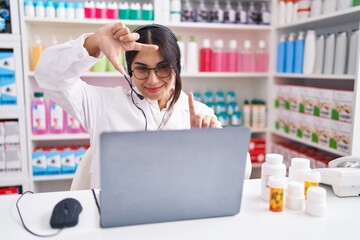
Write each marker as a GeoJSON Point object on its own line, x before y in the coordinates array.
{"type": "Point", "coordinates": [254, 221]}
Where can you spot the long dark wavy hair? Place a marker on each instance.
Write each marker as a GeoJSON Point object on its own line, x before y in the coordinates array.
{"type": "Point", "coordinates": [166, 40]}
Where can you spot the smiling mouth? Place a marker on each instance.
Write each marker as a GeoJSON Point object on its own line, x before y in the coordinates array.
{"type": "Point", "coordinates": [154, 90]}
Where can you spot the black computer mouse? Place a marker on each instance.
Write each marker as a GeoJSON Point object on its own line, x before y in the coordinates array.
{"type": "Point", "coordinates": [65, 213]}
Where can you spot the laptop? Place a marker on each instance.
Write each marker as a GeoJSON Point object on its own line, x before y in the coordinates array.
{"type": "Point", "coordinates": [162, 176]}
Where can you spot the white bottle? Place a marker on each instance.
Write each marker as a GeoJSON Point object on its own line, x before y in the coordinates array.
{"type": "Point", "coordinates": [354, 38]}
{"type": "Point", "coordinates": [320, 50]}
{"type": "Point", "coordinates": [192, 54]}
{"type": "Point", "coordinates": [295, 198]}
{"type": "Point", "coordinates": [79, 10]}
{"type": "Point", "coordinates": [295, 11]}
{"type": "Point", "coordinates": [60, 10]}
{"type": "Point", "coordinates": [316, 8]}
{"type": "Point", "coordinates": [289, 11]}
{"type": "Point", "coordinates": [344, 4]}
{"type": "Point", "coordinates": [182, 53]}
{"type": "Point", "coordinates": [175, 13]}
{"type": "Point", "coordinates": [329, 54]}
{"type": "Point", "coordinates": [309, 52]}
{"type": "Point", "coordinates": [282, 12]}
{"type": "Point", "coordinates": [39, 9]}
{"type": "Point", "coordinates": [329, 6]}
{"type": "Point", "coordinates": [340, 53]}
{"type": "Point", "coordinates": [273, 166]}
{"type": "Point", "coordinates": [316, 202]}
{"type": "Point", "coordinates": [29, 8]}
{"type": "Point", "coordinates": [70, 10]}
{"type": "Point", "coordinates": [50, 9]}
{"type": "Point", "coordinates": [298, 168]}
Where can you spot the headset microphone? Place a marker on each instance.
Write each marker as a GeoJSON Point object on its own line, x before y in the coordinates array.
{"type": "Point", "coordinates": [141, 97]}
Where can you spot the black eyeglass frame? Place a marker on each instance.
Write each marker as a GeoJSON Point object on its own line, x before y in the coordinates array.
{"type": "Point", "coordinates": [148, 72]}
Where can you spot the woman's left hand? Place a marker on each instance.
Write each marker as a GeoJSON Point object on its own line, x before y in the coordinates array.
{"type": "Point", "coordinates": [200, 120]}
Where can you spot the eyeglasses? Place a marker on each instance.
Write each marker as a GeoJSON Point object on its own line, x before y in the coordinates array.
{"type": "Point", "coordinates": [161, 71]}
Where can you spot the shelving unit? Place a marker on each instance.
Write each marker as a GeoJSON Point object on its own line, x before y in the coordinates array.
{"type": "Point", "coordinates": [12, 41]}
{"type": "Point", "coordinates": [344, 20]}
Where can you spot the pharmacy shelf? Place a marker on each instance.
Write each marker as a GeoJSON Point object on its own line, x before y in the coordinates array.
{"type": "Point", "coordinates": [6, 37]}
{"type": "Point", "coordinates": [11, 112]}
{"type": "Point", "coordinates": [181, 25]}
{"type": "Point", "coordinates": [318, 146]}
{"type": "Point", "coordinates": [315, 76]}
{"type": "Point", "coordinates": [336, 18]}
{"type": "Point", "coordinates": [50, 137]}
{"type": "Point", "coordinates": [259, 130]}
{"type": "Point", "coordinates": [53, 177]}
{"type": "Point", "coordinates": [9, 179]}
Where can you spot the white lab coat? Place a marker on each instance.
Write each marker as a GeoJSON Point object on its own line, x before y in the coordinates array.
{"type": "Point", "coordinates": [101, 109]}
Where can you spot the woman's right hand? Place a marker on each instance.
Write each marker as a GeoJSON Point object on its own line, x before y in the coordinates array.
{"type": "Point", "coordinates": [113, 39]}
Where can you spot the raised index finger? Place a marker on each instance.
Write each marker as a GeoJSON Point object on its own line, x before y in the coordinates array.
{"type": "Point", "coordinates": [145, 47]}
{"type": "Point", "coordinates": [191, 105]}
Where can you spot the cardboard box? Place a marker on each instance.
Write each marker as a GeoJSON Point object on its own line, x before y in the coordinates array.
{"type": "Point", "coordinates": [8, 90]}
{"type": "Point", "coordinates": [324, 98]}
{"type": "Point", "coordinates": [38, 159]}
{"type": "Point", "coordinates": [68, 164]}
{"type": "Point", "coordinates": [13, 159]}
{"type": "Point", "coordinates": [294, 98]}
{"type": "Point", "coordinates": [341, 133]}
{"type": "Point", "coordinates": [307, 100]}
{"type": "Point", "coordinates": [342, 106]}
{"type": "Point", "coordinates": [322, 131]}
{"type": "Point", "coordinates": [53, 162]}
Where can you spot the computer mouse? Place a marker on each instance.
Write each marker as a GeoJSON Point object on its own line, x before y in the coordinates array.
{"type": "Point", "coordinates": [65, 213]}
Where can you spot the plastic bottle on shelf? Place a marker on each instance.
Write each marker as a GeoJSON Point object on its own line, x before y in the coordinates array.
{"type": "Point", "coordinates": [181, 45]}
{"type": "Point", "coordinates": [72, 125]}
{"type": "Point", "coordinates": [319, 60]}
{"type": "Point", "coordinates": [247, 58]}
{"type": "Point", "coordinates": [60, 10]}
{"type": "Point", "coordinates": [70, 10]}
{"type": "Point", "coordinates": [39, 9]}
{"type": "Point", "coordinates": [217, 14]}
{"type": "Point", "coordinates": [79, 10]}
{"type": "Point", "coordinates": [124, 10]}
{"type": "Point", "coordinates": [247, 113]}
{"type": "Point", "coordinates": [229, 13]}
{"type": "Point", "coordinates": [281, 54]}
{"type": "Point", "coordinates": [309, 52]}
{"type": "Point", "coordinates": [261, 58]}
{"type": "Point", "coordinates": [56, 118]}
{"type": "Point", "coordinates": [282, 12]}
{"type": "Point", "coordinates": [147, 11]}
{"type": "Point", "coordinates": [38, 114]}
{"type": "Point", "coordinates": [253, 14]}
{"type": "Point", "coordinates": [273, 166]}
{"type": "Point", "coordinates": [295, 10]}
{"type": "Point", "coordinates": [265, 14]}
{"type": "Point", "coordinates": [192, 56]}
{"type": "Point", "coordinates": [233, 57]}
{"type": "Point", "coordinates": [290, 54]}
{"type": "Point", "coordinates": [218, 56]}
{"type": "Point", "coordinates": [329, 6]}
{"type": "Point", "coordinates": [206, 53]}
{"type": "Point", "coordinates": [187, 13]}
{"type": "Point", "coordinates": [316, 8]}
{"type": "Point", "coordinates": [340, 53]}
{"type": "Point", "coordinates": [241, 14]}
{"type": "Point", "coordinates": [29, 8]}
{"type": "Point", "coordinates": [289, 11]}
{"type": "Point", "coordinates": [202, 13]}
{"type": "Point", "coordinates": [100, 9]}
{"type": "Point", "coordinates": [299, 52]}
{"type": "Point", "coordinates": [175, 11]}
{"type": "Point", "coordinates": [112, 10]}
{"type": "Point", "coordinates": [50, 9]}
{"type": "Point", "coordinates": [135, 11]}
{"type": "Point", "coordinates": [329, 54]}
{"type": "Point", "coordinates": [89, 9]}
{"type": "Point", "coordinates": [354, 38]}
{"type": "Point", "coordinates": [37, 49]}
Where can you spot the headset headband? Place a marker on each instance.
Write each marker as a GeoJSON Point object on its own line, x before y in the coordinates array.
{"type": "Point", "coordinates": [154, 25]}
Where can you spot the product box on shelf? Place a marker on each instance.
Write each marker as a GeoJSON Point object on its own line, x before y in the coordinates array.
{"type": "Point", "coordinates": [12, 158]}
{"type": "Point", "coordinates": [53, 162]}
{"type": "Point", "coordinates": [341, 136]}
{"type": "Point", "coordinates": [2, 133]}
{"type": "Point", "coordinates": [8, 90]}
{"type": "Point", "coordinates": [293, 98]}
{"type": "Point", "coordinates": [342, 107]}
{"type": "Point", "coordinates": [322, 131]}
{"type": "Point", "coordinates": [68, 164]}
{"type": "Point", "coordinates": [293, 123]}
{"type": "Point", "coordinates": [307, 100]}
{"type": "Point", "coordinates": [39, 165]}
{"type": "Point", "coordinates": [257, 150]}
{"type": "Point", "coordinates": [9, 190]}
{"type": "Point", "coordinates": [11, 132]}
{"type": "Point", "coordinates": [281, 96]}
{"type": "Point", "coordinates": [2, 159]}
{"type": "Point", "coordinates": [281, 121]}
{"type": "Point", "coordinates": [79, 153]}
{"type": "Point", "coordinates": [324, 98]}
{"type": "Point", "coordinates": [306, 127]}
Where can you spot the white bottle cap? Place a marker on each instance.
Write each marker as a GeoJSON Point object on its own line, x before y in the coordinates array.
{"type": "Point", "coordinates": [283, 38]}
{"type": "Point", "coordinates": [291, 37]}
{"type": "Point", "coordinates": [316, 202]}
{"type": "Point", "coordinates": [276, 182]}
{"type": "Point", "coordinates": [300, 163]}
{"type": "Point", "coordinates": [295, 198]}
{"type": "Point", "coordinates": [301, 35]}
{"type": "Point", "coordinates": [312, 176]}
{"type": "Point", "coordinates": [247, 44]}
{"type": "Point", "coordinates": [233, 44]}
{"type": "Point", "coordinates": [219, 43]}
{"type": "Point", "coordinates": [262, 44]}
{"type": "Point", "coordinates": [206, 43]}
{"type": "Point", "coordinates": [274, 158]}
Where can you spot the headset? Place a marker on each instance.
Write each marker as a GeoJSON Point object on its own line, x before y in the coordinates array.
{"type": "Point", "coordinates": [128, 67]}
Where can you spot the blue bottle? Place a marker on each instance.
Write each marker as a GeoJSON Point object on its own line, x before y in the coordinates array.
{"type": "Point", "coordinates": [290, 54]}
{"type": "Point", "coordinates": [281, 53]}
{"type": "Point", "coordinates": [299, 53]}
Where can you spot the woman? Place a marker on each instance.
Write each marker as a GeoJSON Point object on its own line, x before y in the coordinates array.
{"type": "Point", "coordinates": [155, 100]}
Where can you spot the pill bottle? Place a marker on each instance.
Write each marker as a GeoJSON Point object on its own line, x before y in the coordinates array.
{"type": "Point", "coordinates": [298, 168]}
{"type": "Point", "coordinates": [316, 202]}
{"type": "Point", "coordinates": [276, 194]}
{"type": "Point", "coordinates": [295, 198]}
{"type": "Point", "coordinates": [312, 178]}
{"type": "Point", "coordinates": [273, 166]}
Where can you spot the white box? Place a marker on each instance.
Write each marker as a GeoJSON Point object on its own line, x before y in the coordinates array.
{"type": "Point", "coordinates": [307, 100]}
{"type": "Point", "coordinates": [2, 133]}
{"type": "Point", "coordinates": [342, 107]}
{"type": "Point", "coordinates": [324, 98]}
{"type": "Point", "coordinates": [12, 132]}
{"type": "Point", "coordinates": [2, 159]}
{"type": "Point", "coordinates": [322, 131]}
{"type": "Point", "coordinates": [305, 127]}
{"type": "Point", "coordinates": [53, 162]}
{"type": "Point", "coordinates": [292, 123]}
{"type": "Point", "coordinates": [39, 162]}
{"type": "Point", "coordinates": [68, 164]}
{"type": "Point", "coordinates": [341, 136]}
{"type": "Point", "coordinates": [13, 160]}
{"type": "Point", "coordinates": [294, 98]}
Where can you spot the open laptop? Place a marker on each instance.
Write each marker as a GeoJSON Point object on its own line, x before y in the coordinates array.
{"type": "Point", "coordinates": [161, 176]}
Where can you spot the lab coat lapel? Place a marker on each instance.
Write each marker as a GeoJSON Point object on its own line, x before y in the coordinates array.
{"type": "Point", "coordinates": [180, 117]}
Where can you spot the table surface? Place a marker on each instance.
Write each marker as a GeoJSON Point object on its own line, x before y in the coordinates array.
{"type": "Point", "coordinates": [254, 221]}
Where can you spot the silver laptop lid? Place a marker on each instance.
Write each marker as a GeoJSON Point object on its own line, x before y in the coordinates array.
{"type": "Point", "coordinates": [150, 177]}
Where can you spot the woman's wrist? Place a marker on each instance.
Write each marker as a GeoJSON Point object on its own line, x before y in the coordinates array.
{"type": "Point", "coordinates": [91, 46]}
